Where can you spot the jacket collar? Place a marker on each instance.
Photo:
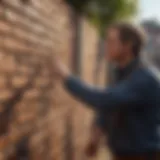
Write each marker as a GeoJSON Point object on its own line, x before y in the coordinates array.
{"type": "Point", "coordinates": [124, 72]}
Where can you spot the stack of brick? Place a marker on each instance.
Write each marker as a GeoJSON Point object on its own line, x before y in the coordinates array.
{"type": "Point", "coordinates": [38, 120]}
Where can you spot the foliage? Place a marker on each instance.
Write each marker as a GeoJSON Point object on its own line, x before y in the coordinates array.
{"type": "Point", "coordinates": [103, 12]}
{"type": "Point", "coordinates": [78, 5]}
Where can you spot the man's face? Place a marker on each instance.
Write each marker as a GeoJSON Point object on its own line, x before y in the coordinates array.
{"type": "Point", "coordinates": [115, 49]}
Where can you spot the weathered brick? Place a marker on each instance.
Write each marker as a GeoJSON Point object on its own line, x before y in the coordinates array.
{"type": "Point", "coordinates": [4, 27]}
{"type": "Point", "coordinates": [3, 80]}
{"type": "Point", "coordinates": [24, 71]}
{"type": "Point", "coordinates": [24, 118]}
{"type": "Point", "coordinates": [2, 156]}
{"type": "Point", "coordinates": [5, 94]}
{"type": "Point", "coordinates": [42, 82]}
{"type": "Point", "coordinates": [4, 141]}
{"type": "Point", "coordinates": [31, 33]}
{"type": "Point", "coordinates": [7, 64]}
{"type": "Point", "coordinates": [19, 81]}
{"type": "Point", "coordinates": [31, 94]}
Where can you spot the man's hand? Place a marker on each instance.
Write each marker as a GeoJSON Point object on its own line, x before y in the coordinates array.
{"type": "Point", "coordinates": [60, 69]}
{"type": "Point", "coordinates": [91, 149]}
{"type": "Point", "coordinates": [96, 136]}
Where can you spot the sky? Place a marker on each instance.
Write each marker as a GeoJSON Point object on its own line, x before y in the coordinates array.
{"type": "Point", "coordinates": [149, 9]}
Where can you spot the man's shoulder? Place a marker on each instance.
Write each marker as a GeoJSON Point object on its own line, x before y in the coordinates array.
{"type": "Point", "coordinates": [143, 76]}
{"type": "Point", "coordinates": [142, 72]}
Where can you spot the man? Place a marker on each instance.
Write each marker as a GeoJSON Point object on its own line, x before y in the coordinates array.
{"type": "Point", "coordinates": [98, 128]}
{"type": "Point", "coordinates": [131, 107]}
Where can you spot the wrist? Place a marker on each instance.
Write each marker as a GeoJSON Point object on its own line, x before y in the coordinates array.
{"type": "Point", "coordinates": [65, 75]}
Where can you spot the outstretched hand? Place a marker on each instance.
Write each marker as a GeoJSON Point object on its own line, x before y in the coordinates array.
{"type": "Point", "coordinates": [91, 150]}
{"type": "Point", "coordinates": [60, 69]}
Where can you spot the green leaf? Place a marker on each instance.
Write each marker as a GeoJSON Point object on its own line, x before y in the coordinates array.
{"type": "Point", "coordinates": [103, 12]}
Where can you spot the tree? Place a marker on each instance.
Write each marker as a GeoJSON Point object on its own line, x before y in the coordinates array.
{"type": "Point", "coordinates": [104, 12]}
{"type": "Point", "coordinates": [78, 5]}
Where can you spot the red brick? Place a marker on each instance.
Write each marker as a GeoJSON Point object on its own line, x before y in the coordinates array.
{"type": "Point", "coordinates": [24, 70]}
{"type": "Point", "coordinates": [8, 64]}
{"type": "Point", "coordinates": [4, 27]}
{"type": "Point", "coordinates": [3, 80]}
{"type": "Point", "coordinates": [5, 94]}
{"type": "Point", "coordinates": [41, 82]}
{"type": "Point", "coordinates": [19, 81]}
{"type": "Point", "coordinates": [4, 141]}
{"type": "Point", "coordinates": [31, 94]}
{"type": "Point", "coordinates": [24, 118]}
{"type": "Point", "coordinates": [32, 32]}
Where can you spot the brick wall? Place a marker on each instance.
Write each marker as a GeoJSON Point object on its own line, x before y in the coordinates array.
{"type": "Point", "coordinates": [37, 118]}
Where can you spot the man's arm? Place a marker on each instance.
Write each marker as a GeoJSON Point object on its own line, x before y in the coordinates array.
{"type": "Point", "coordinates": [132, 91]}
{"type": "Point", "coordinates": [135, 90]}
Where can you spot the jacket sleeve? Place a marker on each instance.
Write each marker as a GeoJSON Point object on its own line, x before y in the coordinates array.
{"type": "Point", "coordinates": [100, 121]}
{"type": "Point", "coordinates": [132, 91]}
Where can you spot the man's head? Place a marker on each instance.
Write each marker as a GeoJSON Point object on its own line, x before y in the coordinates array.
{"type": "Point", "coordinates": [123, 41]}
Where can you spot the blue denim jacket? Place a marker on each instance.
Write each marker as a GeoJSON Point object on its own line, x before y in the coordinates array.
{"type": "Point", "coordinates": [137, 100]}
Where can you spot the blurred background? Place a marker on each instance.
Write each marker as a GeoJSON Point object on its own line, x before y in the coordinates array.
{"type": "Point", "coordinates": [38, 120]}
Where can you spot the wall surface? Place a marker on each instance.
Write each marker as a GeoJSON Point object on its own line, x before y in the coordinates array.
{"type": "Point", "coordinates": [38, 120]}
